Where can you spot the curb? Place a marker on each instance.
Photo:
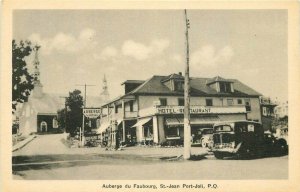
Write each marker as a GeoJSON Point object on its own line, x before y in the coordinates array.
{"type": "Point", "coordinates": [23, 143]}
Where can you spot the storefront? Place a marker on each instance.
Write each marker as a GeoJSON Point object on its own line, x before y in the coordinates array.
{"type": "Point", "coordinates": [166, 124]}
{"type": "Point", "coordinates": [144, 130]}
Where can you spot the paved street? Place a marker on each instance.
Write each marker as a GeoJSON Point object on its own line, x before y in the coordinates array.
{"type": "Point", "coordinates": [47, 157]}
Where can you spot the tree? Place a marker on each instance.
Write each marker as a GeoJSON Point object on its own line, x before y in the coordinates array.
{"type": "Point", "coordinates": [75, 105]}
{"type": "Point", "coordinates": [22, 81]}
{"type": "Point", "coordinates": [61, 116]}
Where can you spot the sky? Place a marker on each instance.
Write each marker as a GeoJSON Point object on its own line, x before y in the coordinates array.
{"type": "Point", "coordinates": [80, 46]}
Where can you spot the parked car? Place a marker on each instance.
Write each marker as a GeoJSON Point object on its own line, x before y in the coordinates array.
{"type": "Point", "coordinates": [206, 137]}
{"type": "Point", "coordinates": [274, 146]}
{"type": "Point", "coordinates": [244, 139]}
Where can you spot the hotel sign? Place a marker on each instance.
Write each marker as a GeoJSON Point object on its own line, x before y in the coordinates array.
{"type": "Point", "coordinates": [91, 112]}
{"type": "Point", "coordinates": [199, 110]}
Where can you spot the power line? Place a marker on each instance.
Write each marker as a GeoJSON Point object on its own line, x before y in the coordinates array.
{"type": "Point", "coordinates": [85, 85]}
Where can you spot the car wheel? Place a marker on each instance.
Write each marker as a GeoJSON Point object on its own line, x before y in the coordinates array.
{"type": "Point", "coordinates": [219, 155]}
{"type": "Point", "coordinates": [203, 144]}
{"type": "Point", "coordinates": [281, 147]}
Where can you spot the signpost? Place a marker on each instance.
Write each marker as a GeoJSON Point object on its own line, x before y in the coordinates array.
{"type": "Point", "coordinates": [85, 85]}
{"type": "Point", "coordinates": [91, 113]}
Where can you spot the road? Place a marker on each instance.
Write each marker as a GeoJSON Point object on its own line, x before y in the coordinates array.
{"type": "Point", "coordinates": [47, 158]}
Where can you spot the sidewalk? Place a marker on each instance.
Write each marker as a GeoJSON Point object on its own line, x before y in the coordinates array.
{"type": "Point", "coordinates": [52, 146]}
{"type": "Point", "coordinates": [23, 143]}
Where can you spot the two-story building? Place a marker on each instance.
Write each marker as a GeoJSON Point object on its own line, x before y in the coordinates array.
{"type": "Point", "coordinates": [267, 112]}
{"type": "Point", "coordinates": [282, 110]}
{"type": "Point", "coordinates": [151, 111]}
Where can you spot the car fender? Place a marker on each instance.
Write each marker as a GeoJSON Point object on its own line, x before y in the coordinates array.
{"type": "Point", "coordinates": [238, 147]}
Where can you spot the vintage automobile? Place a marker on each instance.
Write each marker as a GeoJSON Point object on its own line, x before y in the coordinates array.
{"type": "Point", "coordinates": [274, 146]}
{"type": "Point", "coordinates": [243, 139]}
{"type": "Point", "coordinates": [206, 137]}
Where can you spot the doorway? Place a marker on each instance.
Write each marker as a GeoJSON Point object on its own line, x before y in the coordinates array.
{"type": "Point", "coordinates": [43, 126]}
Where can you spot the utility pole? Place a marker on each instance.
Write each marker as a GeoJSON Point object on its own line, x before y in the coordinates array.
{"type": "Point", "coordinates": [85, 85]}
{"type": "Point", "coordinates": [187, 126]}
{"type": "Point", "coordinates": [84, 105]}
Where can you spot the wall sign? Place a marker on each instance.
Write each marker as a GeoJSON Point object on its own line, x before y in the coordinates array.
{"type": "Point", "coordinates": [199, 110]}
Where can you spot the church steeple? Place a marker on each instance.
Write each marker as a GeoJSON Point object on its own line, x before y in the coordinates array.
{"type": "Point", "coordinates": [104, 93]}
{"type": "Point", "coordinates": [38, 87]}
{"type": "Point", "coordinates": [36, 64]}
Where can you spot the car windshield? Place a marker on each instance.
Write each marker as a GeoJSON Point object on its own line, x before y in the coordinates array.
{"type": "Point", "coordinates": [223, 128]}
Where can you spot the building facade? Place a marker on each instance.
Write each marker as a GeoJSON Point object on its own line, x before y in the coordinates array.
{"type": "Point", "coordinates": [267, 112]}
{"type": "Point", "coordinates": [151, 111]}
{"type": "Point", "coordinates": [282, 110]}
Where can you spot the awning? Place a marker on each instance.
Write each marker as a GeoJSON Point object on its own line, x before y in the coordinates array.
{"type": "Point", "coordinates": [173, 121]}
{"type": "Point", "coordinates": [142, 121]}
{"type": "Point", "coordinates": [205, 120]}
{"type": "Point", "coordinates": [119, 121]}
{"type": "Point", "coordinates": [193, 121]}
{"type": "Point", "coordinates": [103, 127]}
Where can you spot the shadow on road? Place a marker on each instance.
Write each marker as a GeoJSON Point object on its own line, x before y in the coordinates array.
{"type": "Point", "coordinates": [36, 162]}
{"type": "Point", "coordinates": [255, 157]}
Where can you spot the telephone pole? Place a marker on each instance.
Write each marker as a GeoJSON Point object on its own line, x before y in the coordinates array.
{"type": "Point", "coordinates": [85, 85]}
{"type": "Point", "coordinates": [187, 126]}
{"type": "Point", "coordinates": [84, 105]}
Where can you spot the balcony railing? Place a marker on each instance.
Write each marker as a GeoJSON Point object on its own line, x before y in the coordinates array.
{"type": "Point", "coordinates": [119, 115]}
{"type": "Point", "coordinates": [131, 114]}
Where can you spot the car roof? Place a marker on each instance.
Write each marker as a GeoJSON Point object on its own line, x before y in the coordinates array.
{"type": "Point", "coordinates": [239, 121]}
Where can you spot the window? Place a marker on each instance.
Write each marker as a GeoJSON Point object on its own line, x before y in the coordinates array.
{"type": "Point", "coordinates": [229, 102]}
{"type": "Point", "coordinates": [240, 101]}
{"type": "Point", "coordinates": [246, 128]}
{"type": "Point", "coordinates": [180, 102]}
{"type": "Point", "coordinates": [209, 102]}
{"type": "Point", "coordinates": [178, 85]}
{"type": "Point", "coordinates": [248, 105]}
{"type": "Point", "coordinates": [264, 111]}
{"type": "Point", "coordinates": [131, 106]}
{"type": "Point", "coordinates": [172, 132]}
{"type": "Point", "coordinates": [222, 101]}
{"type": "Point", "coordinates": [224, 128]}
{"type": "Point", "coordinates": [163, 101]}
{"type": "Point", "coordinates": [148, 131]}
{"type": "Point", "coordinates": [225, 87]}
{"type": "Point", "coordinates": [116, 109]}
{"type": "Point", "coordinates": [250, 128]}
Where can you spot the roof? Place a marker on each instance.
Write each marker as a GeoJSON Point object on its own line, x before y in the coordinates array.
{"type": "Point", "coordinates": [237, 121]}
{"type": "Point", "coordinates": [127, 96]}
{"type": "Point", "coordinates": [217, 79]}
{"type": "Point", "coordinates": [133, 82]}
{"type": "Point", "coordinates": [199, 87]}
{"type": "Point", "coordinates": [173, 76]}
{"type": "Point", "coordinates": [45, 104]}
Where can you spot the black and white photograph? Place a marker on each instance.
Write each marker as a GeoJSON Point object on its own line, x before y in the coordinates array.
{"type": "Point", "coordinates": [150, 94]}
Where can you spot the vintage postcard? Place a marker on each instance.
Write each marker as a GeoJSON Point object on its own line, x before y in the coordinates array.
{"type": "Point", "coordinates": [149, 96]}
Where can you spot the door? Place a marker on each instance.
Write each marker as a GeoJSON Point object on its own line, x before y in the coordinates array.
{"type": "Point", "coordinates": [43, 126]}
